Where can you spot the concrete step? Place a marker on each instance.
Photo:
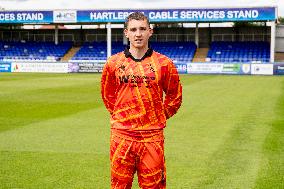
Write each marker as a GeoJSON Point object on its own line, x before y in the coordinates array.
{"type": "Point", "coordinates": [70, 54]}
{"type": "Point", "coordinates": [279, 57]}
{"type": "Point", "coordinates": [200, 55]}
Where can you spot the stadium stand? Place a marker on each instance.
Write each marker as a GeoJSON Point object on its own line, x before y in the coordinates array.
{"type": "Point", "coordinates": [178, 51]}
{"type": "Point", "coordinates": [220, 51]}
{"type": "Point", "coordinates": [96, 51]}
{"type": "Point", "coordinates": [248, 51]}
{"type": "Point", "coordinates": [33, 51]}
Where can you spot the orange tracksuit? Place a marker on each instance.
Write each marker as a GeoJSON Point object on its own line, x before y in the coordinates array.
{"type": "Point", "coordinates": [132, 91]}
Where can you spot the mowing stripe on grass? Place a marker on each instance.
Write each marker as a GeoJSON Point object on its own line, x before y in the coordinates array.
{"type": "Point", "coordinates": [45, 170]}
{"type": "Point", "coordinates": [271, 172]}
{"type": "Point", "coordinates": [77, 133]}
{"type": "Point", "coordinates": [227, 120]}
{"type": "Point", "coordinates": [43, 97]}
{"type": "Point", "coordinates": [55, 134]}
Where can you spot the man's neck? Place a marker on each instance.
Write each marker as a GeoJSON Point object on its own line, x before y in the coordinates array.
{"type": "Point", "coordinates": [138, 53]}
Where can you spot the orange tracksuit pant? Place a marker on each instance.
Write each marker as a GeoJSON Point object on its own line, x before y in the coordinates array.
{"type": "Point", "coordinates": [147, 158]}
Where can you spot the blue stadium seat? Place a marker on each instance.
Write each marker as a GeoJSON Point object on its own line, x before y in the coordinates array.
{"type": "Point", "coordinates": [249, 51]}
{"type": "Point", "coordinates": [178, 51]}
{"type": "Point", "coordinates": [33, 51]}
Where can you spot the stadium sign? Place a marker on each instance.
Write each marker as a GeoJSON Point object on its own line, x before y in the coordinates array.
{"type": "Point", "coordinates": [245, 69]}
{"type": "Point", "coordinates": [86, 67]}
{"type": "Point", "coordinates": [219, 68]}
{"type": "Point", "coordinates": [278, 69]}
{"type": "Point", "coordinates": [26, 17]}
{"type": "Point", "coordinates": [231, 68]}
{"type": "Point", "coordinates": [155, 15]}
{"type": "Point", "coordinates": [5, 67]}
{"type": "Point", "coordinates": [40, 67]}
{"type": "Point", "coordinates": [262, 69]}
{"type": "Point", "coordinates": [182, 15]}
{"type": "Point", "coordinates": [210, 68]}
{"type": "Point", "coordinates": [65, 16]}
{"type": "Point", "coordinates": [181, 67]}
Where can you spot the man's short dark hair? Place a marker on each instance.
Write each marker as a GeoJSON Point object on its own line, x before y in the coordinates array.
{"type": "Point", "coordinates": [136, 16]}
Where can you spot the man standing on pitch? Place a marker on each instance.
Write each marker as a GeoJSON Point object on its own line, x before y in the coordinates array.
{"type": "Point", "coordinates": [132, 86]}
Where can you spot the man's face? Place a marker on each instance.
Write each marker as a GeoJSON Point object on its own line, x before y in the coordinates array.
{"type": "Point", "coordinates": [138, 33]}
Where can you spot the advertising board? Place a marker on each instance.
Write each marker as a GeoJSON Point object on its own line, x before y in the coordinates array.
{"type": "Point", "coordinates": [5, 67]}
{"type": "Point", "coordinates": [40, 67]}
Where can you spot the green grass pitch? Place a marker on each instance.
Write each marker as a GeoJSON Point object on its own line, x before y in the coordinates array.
{"type": "Point", "coordinates": [54, 133]}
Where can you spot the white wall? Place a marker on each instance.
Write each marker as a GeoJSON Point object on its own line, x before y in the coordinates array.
{"type": "Point", "coordinates": [279, 41]}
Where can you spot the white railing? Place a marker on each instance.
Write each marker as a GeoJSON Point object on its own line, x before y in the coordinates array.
{"type": "Point", "coordinates": [241, 37]}
{"type": "Point", "coordinates": [155, 37]}
{"type": "Point", "coordinates": [173, 37]}
{"type": "Point", "coordinates": [28, 36]}
{"type": "Point", "coordinates": [103, 37]}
